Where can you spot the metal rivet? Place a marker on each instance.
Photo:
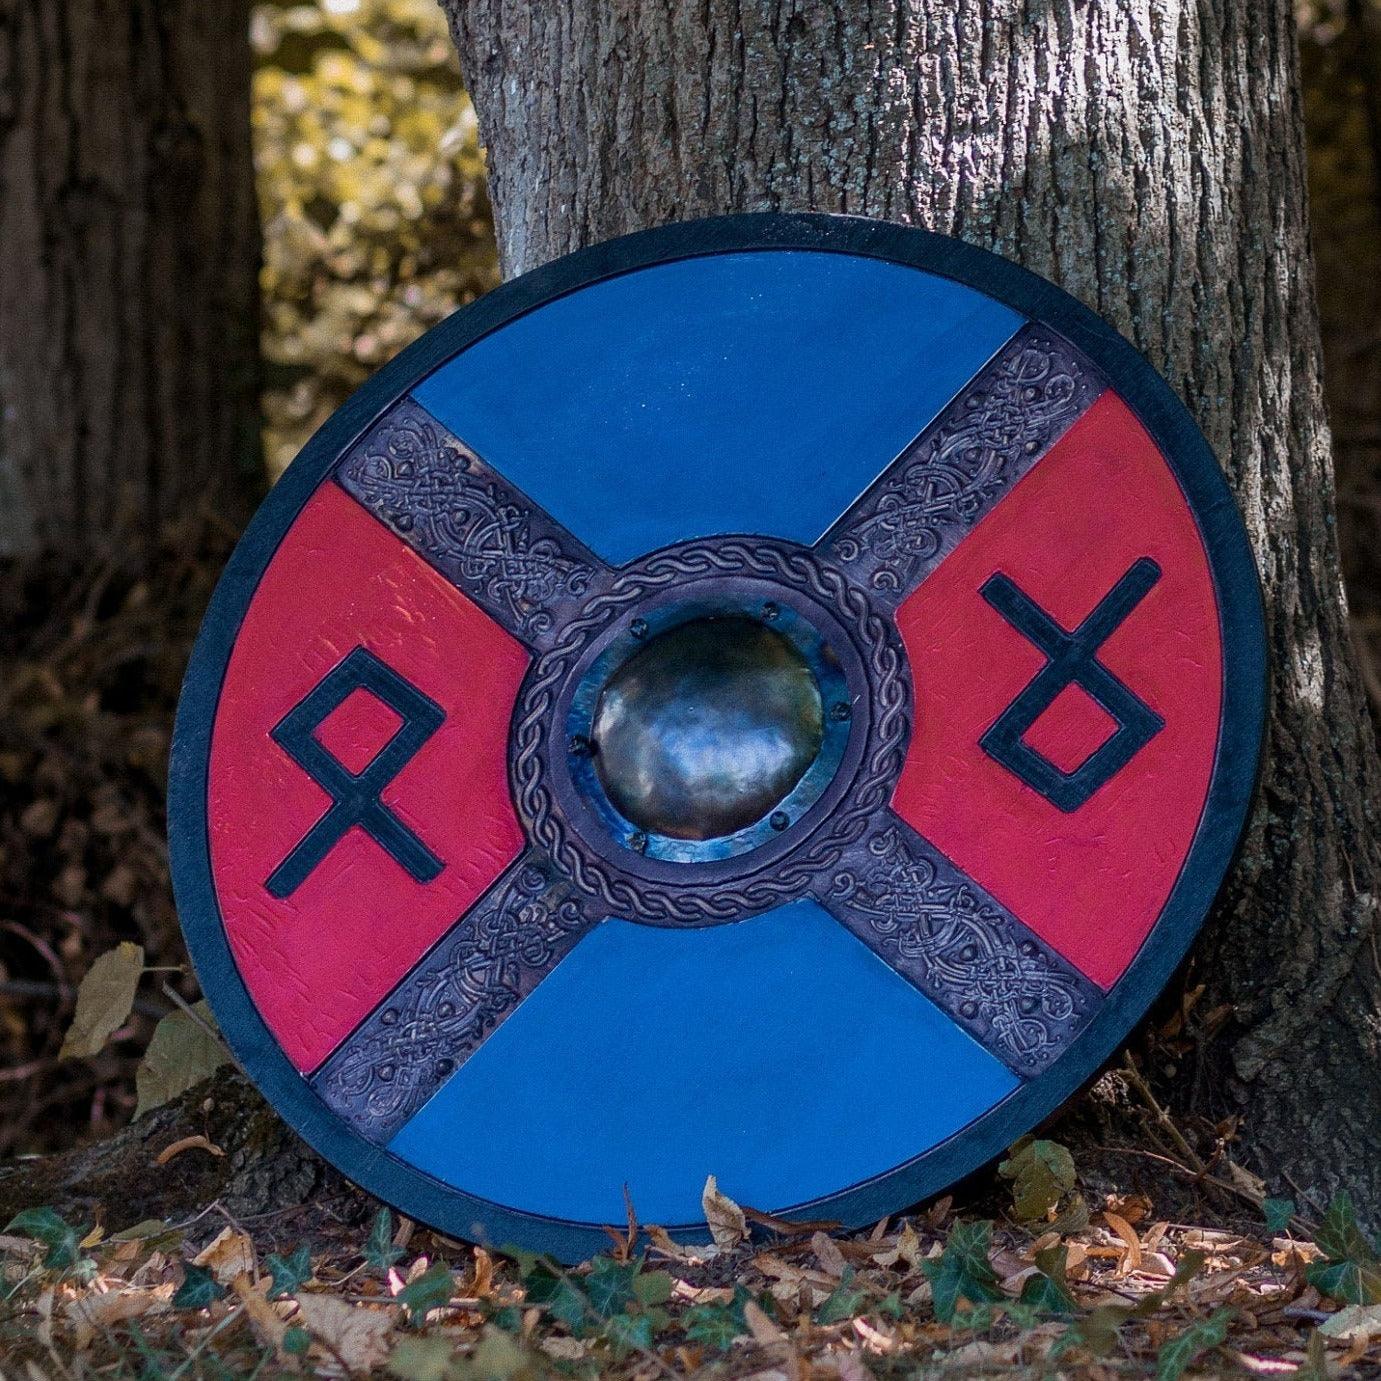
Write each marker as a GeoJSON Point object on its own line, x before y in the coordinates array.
{"type": "Point", "coordinates": [770, 612]}
{"type": "Point", "coordinates": [637, 841]}
{"type": "Point", "coordinates": [840, 711]}
{"type": "Point", "coordinates": [638, 628]}
{"type": "Point", "coordinates": [779, 820]}
{"type": "Point", "coordinates": [580, 746]}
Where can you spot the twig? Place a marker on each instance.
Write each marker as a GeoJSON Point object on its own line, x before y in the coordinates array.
{"type": "Point", "coordinates": [1203, 1177]}
{"type": "Point", "coordinates": [37, 987]}
{"type": "Point", "coordinates": [210, 1030]}
{"type": "Point", "coordinates": [1173, 1132]}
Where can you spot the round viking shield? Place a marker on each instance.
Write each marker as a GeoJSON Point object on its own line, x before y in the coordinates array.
{"type": "Point", "coordinates": [770, 697]}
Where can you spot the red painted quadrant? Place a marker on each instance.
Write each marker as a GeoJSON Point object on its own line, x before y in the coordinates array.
{"type": "Point", "coordinates": [1092, 883]}
{"type": "Point", "coordinates": [317, 961]}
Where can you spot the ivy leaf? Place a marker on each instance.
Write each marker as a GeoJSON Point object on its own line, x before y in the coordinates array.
{"type": "Point", "coordinates": [507, 1317]}
{"type": "Point", "coordinates": [379, 1250]}
{"type": "Point", "coordinates": [653, 1287]}
{"type": "Point", "coordinates": [46, 1227]}
{"type": "Point", "coordinates": [198, 1289]}
{"type": "Point", "coordinates": [626, 1333]}
{"type": "Point", "coordinates": [551, 1288]}
{"type": "Point", "coordinates": [1348, 1282]}
{"type": "Point", "coordinates": [1340, 1238]}
{"type": "Point", "coordinates": [1096, 1332]}
{"type": "Point", "coordinates": [983, 1318]}
{"type": "Point", "coordinates": [296, 1341]}
{"type": "Point", "coordinates": [1042, 1173]}
{"type": "Point", "coordinates": [610, 1285]}
{"type": "Point", "coordinates": [498, 1358]}
{"type": "Point", "coordinates": [961, 1272]}
{"type": "Point", "coordinates": [433, 1289]}
{"type": "Point", "coordinates": [1277, 1213]}
{"type": "Point", "coordinates": [181, 1053]}
{"type": "Point", "coordinates": [289, 1274]}
{"type": "Point", "coordinates": [1048, 1290]}
{"type": "Point", "coordinates": [105, 998]}
{"type": "Point", "coordinates": [1352, 1272]}
{"type": "Point", "coordinates": [717, 1325]}
{"type": "Point", "coordinates": [1182, 1350]}
{"type": "Point", "coordinates": [845, 1301]}
{"type": "Point", "coordinates": [421, 1359]}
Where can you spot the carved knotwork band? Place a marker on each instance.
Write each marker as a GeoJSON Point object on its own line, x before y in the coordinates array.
{"type": "Point", "coordinates": [470, 523]}
{"type": "Point", "coordinates": [933, 495]}
{"type": "Point", "coordinates": [961, 948]}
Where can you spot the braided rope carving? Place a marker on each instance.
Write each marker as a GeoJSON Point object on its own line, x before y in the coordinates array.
{"type": "Point", "coordinates": [535, 728]}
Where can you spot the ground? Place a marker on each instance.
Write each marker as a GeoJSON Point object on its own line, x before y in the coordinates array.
{"type": "Point", "coordinates": [204, 1240]}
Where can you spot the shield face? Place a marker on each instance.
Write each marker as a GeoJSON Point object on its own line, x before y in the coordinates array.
{"type": "Point", "coordinates": [771, 697]}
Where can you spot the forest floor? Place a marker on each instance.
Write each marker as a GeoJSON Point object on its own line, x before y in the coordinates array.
{"type": "Point", "coordinates": [202, 1241]}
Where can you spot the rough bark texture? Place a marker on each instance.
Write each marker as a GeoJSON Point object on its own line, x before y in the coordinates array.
{"type": "Point", "coordinates": [128, 291]}
{"type": "Point", "coordinates": [1149, 157]}
{"type": "Point", "coordinates": [263, 1168]}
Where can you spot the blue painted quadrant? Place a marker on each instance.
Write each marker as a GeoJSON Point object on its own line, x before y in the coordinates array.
{"type": "Point", "coordinates": [754, 392]}
{"type": "Point", "coordinates": [778, 1053]}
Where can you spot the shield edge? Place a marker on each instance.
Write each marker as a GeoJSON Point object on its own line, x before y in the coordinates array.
{"type": "Point", "coordinates": [1216, 841]}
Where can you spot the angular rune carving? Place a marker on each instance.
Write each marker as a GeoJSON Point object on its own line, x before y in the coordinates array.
{"type": "Point", "coordinates": [445, 1008]}
{"type": "Point", "coordinates": [954, 472]}
{"type": "Point", "coordinates": [960, 948]}
{"type": "Point", "coordinates": [478, 532]}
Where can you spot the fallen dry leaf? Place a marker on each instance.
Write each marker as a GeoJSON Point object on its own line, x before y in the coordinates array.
{"type": "Point", "coordinates": [1131, 1258]}
{"type": "Point", "coordinates": [875, 1339]}
{"type": "Point", "coordinates": [829, 1256]}
{"type": "Point", "coordinates": [905, 1247]}
{"type": "Point", "coordinates": [662, 1243]}
{"type": "Point", "coordinates": [355, 1333]}
{"type": "Point", "coordinates": [851, 1367]}
{"type": "Point", "coordinates": [227, 1255]}
{"type": "Point", "coordinates": [269, 1325]}
{"type": "Point", "coordinates": [92, 1313]}
{"type": "Point", "coordinates": [723, 1216]}
{"type": "Point", "coordinates": [760, 1326]}
{"type": "Point", "coordinates": [564, 1349]}
{"type": "Point", "coordinates": [1353, 1323]}
{"type": "Point", "coordinates": [1246, 1181]}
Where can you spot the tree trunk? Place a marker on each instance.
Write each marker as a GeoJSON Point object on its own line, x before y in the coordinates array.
{"type": "Point", "coordinates": [1148, 157]}
{"type": "Point", "coordinates": [128, 273]}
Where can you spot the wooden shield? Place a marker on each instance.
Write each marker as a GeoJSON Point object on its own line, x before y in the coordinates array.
{"type": "Point", "coordinates": [771, 697]}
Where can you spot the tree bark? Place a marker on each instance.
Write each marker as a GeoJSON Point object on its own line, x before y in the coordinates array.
{"type": "Point", "coordinates": [128, 274]}
{"type": "Point", "coordinates": [1149, 158]}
